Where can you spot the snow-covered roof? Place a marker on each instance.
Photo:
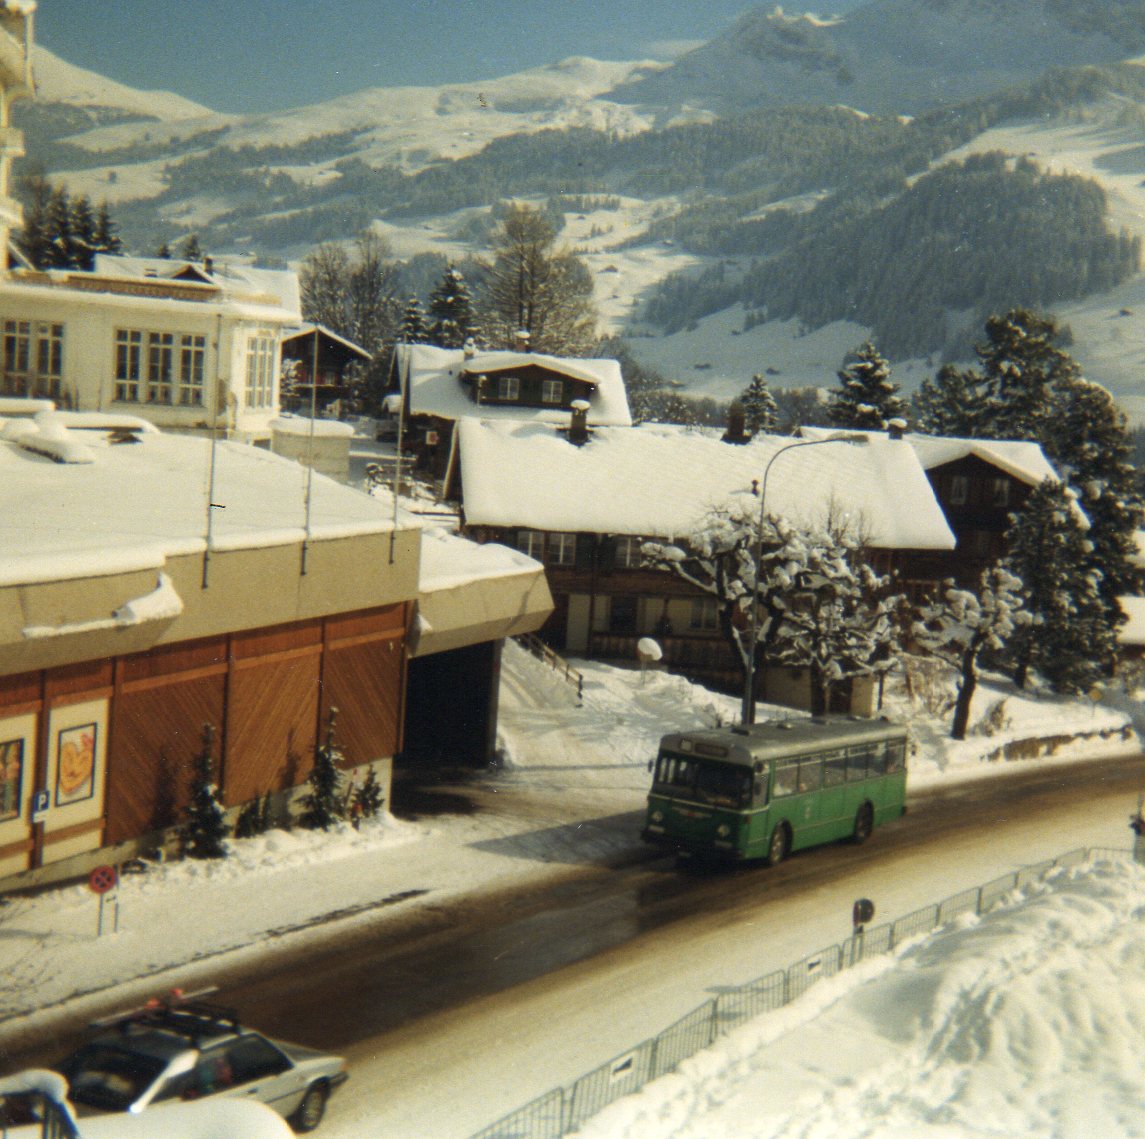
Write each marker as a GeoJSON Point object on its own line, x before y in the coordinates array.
{"type": "Point", "coordinates": [433, 378]}
{"type": "Point", "coordinates": [1023, 460]}
{"type": "Point", "coordinates": [663, 481]}
{"type": "Point", "coordinates": [306, 328]}
{"type": "Point", "coordinates": [129, 506]}
{"type": "Point", "coordinates": [237, 282]}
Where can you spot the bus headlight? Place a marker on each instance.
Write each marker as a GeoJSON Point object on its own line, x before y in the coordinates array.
{"type": "Point", "coordinates": [723, 830]}
{"type": "Point", "coordinates": [657, 816]}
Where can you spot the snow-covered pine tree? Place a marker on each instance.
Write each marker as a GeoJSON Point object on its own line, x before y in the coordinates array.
{"type": "Point", "coordinates": [452, 319]}
{"type": "Point", "coordinates": [963, 623]}
{"type": "Point", "coordinates": [1069, 640]}
{"type": "Point", "coordinates": [191, 250]}
{"type": "Point", "coordinates": [952, 403]}
{"type": "Point", "coordinates": [206, 829]}
{"type": "Point", "coordinates": [368, 798]}
{"type": "Point", "coordinates": [59, 240]}
{"type": "Point", "coordinates": [106, 232]}
{"type": "Point", "coordinates": [1090, 444]}
{"type": "Point", "coordinates": [412, 329]}
{"type": "Point", "coordinates": [324, 805]}
{"type": "Point", "coordinates": [35, 193]}
{"type": "Point", "coordinates": [761, 412]}
{"type": "Point", "coordinates": [867, 398]}
{"type": "Point", "coordinates": [83, 233]}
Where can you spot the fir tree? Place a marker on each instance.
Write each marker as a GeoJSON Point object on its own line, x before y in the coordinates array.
{"type": "Point", "coordinates": [164, 251]}
{"type": "Point", "coordinates": [190, 249]}
{"type": "Point", "coordinates": [1090, 444]}
{"type": "Point", "coordinates": [1070, 640]}
{"type": "Point", "coordinates": [324, 804]}
{"type": "Point", "coordinates": [83, 234]}
{"type": "Point", "coordinates": [761, 412]}
{"type": "Point", "coordinates": [412, 329]}
{"type": "Point", "coordinates": [106, 232]}
{"type": "Point", "coordinates": [59, 241]}
{"type": "Point", "coordinates": [206, 830]}
{"type": "Point", "coordinates": [951, 404]}
{"type": "Point", "coordinates": [36, 192]}
{"type": "Point", "coordinates": [368, 798]}
{"type": "Point", "coordinates": [866, 399]}
{"type": "Point", "coordinates": [453, 321]}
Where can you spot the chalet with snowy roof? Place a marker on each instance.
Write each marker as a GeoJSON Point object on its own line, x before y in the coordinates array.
{"type": "Point", "coordinates": [585, 511]}
{"type": "Point", "coordinates": [442, 386]}
{"type": "Point", "coordinates": [316, 365]}
{"type": "Point", "coordinates": [152, 583]}
{"type": "Point", "coordinates": [978, 483]}
{"type": "Point", "coordinates": [190, 347]}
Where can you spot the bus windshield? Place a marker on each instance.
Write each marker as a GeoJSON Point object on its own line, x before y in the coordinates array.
{"type": "Point", "coordinates": [717, 784]}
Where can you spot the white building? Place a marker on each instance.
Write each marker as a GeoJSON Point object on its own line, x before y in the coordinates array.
{"type": "Point", "coordinates": [190, 347]}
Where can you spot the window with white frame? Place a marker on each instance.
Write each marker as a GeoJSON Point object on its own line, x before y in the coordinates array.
{"type": "Point", "coordinates": [33, 357]}
{"type": "Point", "coordinates": [705, 615]}
{"type": "Point", "coordinates": [531, 542]}
{"type": "Point", "coordinates": [552, 391]}
{"type": "Point", "coordinates": [17, 347]}
{"type": "Point", "coordinates": [1001, 491]}
{"type": "Point", "coordinates": [509, 388]}
{"type": "Point", "coordinates": [562, 549]}
{"type": "Point", "coordinates": [160, 366]}
{"type": "Point", "coordinates": [629, 553]}
{"type": "Point", "coordinates": [128, 364]}
{"type": "Point", "coordinates": [959, 490]}
{"type": "Point", "coordinates": [192, 357]}
{"type": "Point", "coordinates": [260, 371]}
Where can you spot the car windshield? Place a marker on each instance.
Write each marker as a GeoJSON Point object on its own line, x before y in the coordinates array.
{"type": "Point", "coordinates": [110, 1078]}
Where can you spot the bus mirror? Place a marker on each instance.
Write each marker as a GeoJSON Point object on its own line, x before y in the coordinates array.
{"type": "Point", "coordinates": [650, 767]}
{"type": "Point", "coordinates": [759, 768]}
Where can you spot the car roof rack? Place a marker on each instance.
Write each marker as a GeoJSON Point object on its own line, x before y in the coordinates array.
{"type": "Point", "coordinates": [178, 1012]}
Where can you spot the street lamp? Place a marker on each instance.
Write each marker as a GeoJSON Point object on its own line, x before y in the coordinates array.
{"type": "Point", "coordinates": [747, 712]}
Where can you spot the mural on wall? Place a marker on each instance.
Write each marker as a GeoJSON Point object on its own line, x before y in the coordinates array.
{"type": "Point", "coordinates": [11, 777]}
{"type": "Point", "coordinates": [75, 772]}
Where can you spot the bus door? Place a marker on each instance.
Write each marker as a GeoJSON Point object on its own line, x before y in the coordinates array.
{"type": "Point", "coordinates": [833, 799]}
{"type": "Point", "coordinates": [795, 797]}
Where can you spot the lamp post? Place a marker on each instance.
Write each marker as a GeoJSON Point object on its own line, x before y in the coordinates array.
{"type": "Point", "coordinates": [747, 712]}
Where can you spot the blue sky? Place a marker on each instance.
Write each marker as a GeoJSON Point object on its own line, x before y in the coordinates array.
{"type": "Point", "coordinates": [258, 55]}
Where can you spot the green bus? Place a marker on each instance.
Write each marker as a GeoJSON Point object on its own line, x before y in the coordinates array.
{"type": "Point", "coordinates": [764, 790]}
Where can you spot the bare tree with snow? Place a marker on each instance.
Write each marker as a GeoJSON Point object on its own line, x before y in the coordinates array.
{"type": "Point", "coordinates": [962, 624]}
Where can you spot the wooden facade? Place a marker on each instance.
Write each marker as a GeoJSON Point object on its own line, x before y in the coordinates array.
{"type": "Point", "coordinates": [266, 691]}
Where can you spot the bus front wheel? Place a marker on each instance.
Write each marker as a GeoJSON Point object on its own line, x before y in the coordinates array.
{"type": "Point", "coordinates": [779, 846]}
{"type": "Point", "coordinates": [864, 824]}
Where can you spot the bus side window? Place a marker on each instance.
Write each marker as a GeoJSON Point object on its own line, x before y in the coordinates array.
{"type": "Point", "coordinates": [856, 764]}
{"type": "Point", "coordinates": [786, 778]}
{"type": "Point", "coordinates": [810, 774]}
{"type": "Point", "coordinates": [878, 759]}
{"type": "Point", "coordinates": [835, 769]}
{"type": "Point", "coordinates": [896, 755]}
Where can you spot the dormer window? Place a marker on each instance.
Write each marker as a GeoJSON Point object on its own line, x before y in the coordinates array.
{"type": "Point", "coordinates": [552, 391]}
{"type": "Point", "coordinates": [508, 388]}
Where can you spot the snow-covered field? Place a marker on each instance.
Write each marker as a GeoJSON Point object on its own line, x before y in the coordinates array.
{"type": "Point", "coordinates": [917, 1019]}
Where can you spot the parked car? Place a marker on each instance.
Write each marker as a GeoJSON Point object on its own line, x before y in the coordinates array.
{"type": "Point", "coordinates": [34, 1105]}
{"type": "Point", "coordinates": [182, 1048]}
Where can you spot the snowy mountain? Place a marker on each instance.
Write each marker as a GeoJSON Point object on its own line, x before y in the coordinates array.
{"type": "Point", "coordinates": [892, 56]}
{"type": "Point", "coordinates": [642, 151]}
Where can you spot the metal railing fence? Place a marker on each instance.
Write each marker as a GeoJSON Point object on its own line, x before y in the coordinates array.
{"type": "Point", "coordinates": [562, 1110]}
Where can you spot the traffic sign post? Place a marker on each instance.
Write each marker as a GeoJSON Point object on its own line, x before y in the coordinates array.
{"type": "Point", "coordinates": [861, 913]}
{"type": "Point", "coordinates": [104, 880]}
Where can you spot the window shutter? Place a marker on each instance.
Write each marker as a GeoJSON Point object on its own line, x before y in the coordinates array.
{"type": "Point", "coordinates": [607, 553]}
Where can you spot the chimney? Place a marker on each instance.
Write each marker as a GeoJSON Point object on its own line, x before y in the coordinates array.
{"type": "Point", "coordinates": [521, 340]}
{"type": "Point", "coordinates": [208, 266]}
{"type": "Point", "coordinates": [578, 428]}
{"type": "Point", "coordinates": [469, 348]}
{"type": "Point", "coordinates": [895, 428]}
